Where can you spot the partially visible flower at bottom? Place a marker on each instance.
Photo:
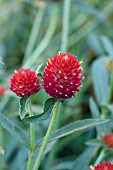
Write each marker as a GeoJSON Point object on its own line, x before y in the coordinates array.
{"type": "Point", "coordinates": [2, 90]}
{"type": "Point", "coordinates": [25, 82]}
{"type": "Point", "coordinates": [108, 140]}
{"type": "Point", "coordinates": [103, 166]}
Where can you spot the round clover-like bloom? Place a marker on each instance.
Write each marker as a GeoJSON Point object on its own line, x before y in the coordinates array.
{"type": "Point", "coordinates": [24, 83]}
{"type": "Point", "coordinates": [2, 90]}
{"type": "Point", "coordinates": [103, 166]}
{"type": "Point", "coordinates": [62, 75]}
{"type": "Point", "coordinates": [108, 140]}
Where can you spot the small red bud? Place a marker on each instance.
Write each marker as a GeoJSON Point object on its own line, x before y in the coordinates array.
{"type": "Point", "coordinates": [2, 90]}
{"type": "Point", "coordinates": [108, 140]}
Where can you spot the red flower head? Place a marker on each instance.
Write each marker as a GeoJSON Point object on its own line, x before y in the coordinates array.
{"type": "Point", "coordinates": [108, 140]}
{"type": "Point", "coordinates": [103, 166]}
{"type": "Point", "coordinates": [24, 83]}
{"type": "Point", "coordinates": [2, 90]}
{"type": "Point", "coordinates": [62, 76]}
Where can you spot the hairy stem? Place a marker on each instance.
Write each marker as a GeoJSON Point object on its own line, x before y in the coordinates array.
{"type": "Point", "coordinates": [48, 134]}
{"type": "Point", "coordinates": [32, 140]}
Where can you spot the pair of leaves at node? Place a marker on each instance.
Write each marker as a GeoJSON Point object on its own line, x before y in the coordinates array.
{"type": "Point", "coordinates": [48, 106]}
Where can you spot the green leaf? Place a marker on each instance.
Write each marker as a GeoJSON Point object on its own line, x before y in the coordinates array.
{"type": "Point", "coordinates": [94, 142]}
{"type": "Point", "coordinates": [101, 79]}
{"type": "Point", "coordinates": [1, 62]}
{"type": "Point", "coordinates": [107, 45]}
{"type": "Point", "coordinates": [95, 114]}
{"type": "Point", "coordinates": [94, 109]}
{"type": "Point", "coordinates": [81, 162]}
{"type": "Point", "coordinates": [48, 106]}
{"type": "Point", "coordinates": [40, 68]}
{"type": "Point", "coordinates": [103, 128]}
{"type": "Point", "coordinates": [23, 106]}
{"type": "Point", "coordinates": [71, 128]}
{"type": "Point", "coordinates": [109, 107]}
{"type": "Point", "coordinates": [87, 8]}
{"type": "Point", "coordinates": [14, 130]}
{"type": "Point", "coordinates": [2, 151]}
{"type": "Point", "coordinates": [62, 166]}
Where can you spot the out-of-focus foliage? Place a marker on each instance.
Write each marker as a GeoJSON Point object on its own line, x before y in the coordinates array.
{"type": "Point", "coordinates": [30, 33]}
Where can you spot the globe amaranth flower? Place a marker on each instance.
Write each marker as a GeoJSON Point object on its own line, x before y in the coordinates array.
{"type": "Point", "coordinates": [108, 140]}
{"type": "Point", "coordinates": [62, 75]}
{"type": "Point", "coordinates": [24, 83]}
{"type": "Point", "coordinates": [2, 90]}
{"type": "Point", "coordinates": [103, 166]}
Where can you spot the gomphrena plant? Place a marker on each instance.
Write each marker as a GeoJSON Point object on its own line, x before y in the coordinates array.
{"type": "Point", "coordinates": [54, 25]}
{"type": "Point", "coordinates": [61, 79]}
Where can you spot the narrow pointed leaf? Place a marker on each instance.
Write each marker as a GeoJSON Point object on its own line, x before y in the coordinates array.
{"type": "Point", "coordinates": [84, 164]}
{"type": "Point", "coordinates": [48, 106]}
{"type": "Point", "coordinates": [109, 106]}
{"type": "Point", "coordinates": [23, 106]}
{"type": "Point", "coordinates": [101, 79]}
{"type": "Point", "coordinates": [95, 114]}
{"type": "Point", "coordinates": [94, 142]}
{"type": "Point", "coordinates": [107, 45]}
{"type": "Point", "coordinates": [73, 127]}
{"type": "Point", "coordinates": [14, 130]}
{"type": "Point", "coordinates": [2, 151]}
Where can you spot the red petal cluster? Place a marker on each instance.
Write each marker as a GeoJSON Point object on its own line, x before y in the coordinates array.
{"type": "Point", "coordinates": [24, 83]}
{"type": "Point", "coordinates": [62, 76]}
{"type": "Point", "coordinates": [103, 166]}
{"type": "Point", "coordinates": [2, 90]}
{"type": "Point", "coordinates": [108, 140]}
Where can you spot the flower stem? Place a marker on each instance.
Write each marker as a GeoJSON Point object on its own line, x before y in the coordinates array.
{"type": "Point", "coordinates": [46, 139]}
{"type": "Point", "coordinates": [32, 140]}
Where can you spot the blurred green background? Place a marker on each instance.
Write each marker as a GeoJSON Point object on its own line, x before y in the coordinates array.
{"type": "Point", "coordinates": [30, 33]}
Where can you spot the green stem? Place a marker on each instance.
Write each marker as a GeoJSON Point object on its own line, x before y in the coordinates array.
{"type": "Point", "coordinates": [32, 140]}
{"type": "Point", "coordinates": [48, 134]}
{"type": "Point", "coordinates": [100, 157]}
{"type": "Point", "coordinates": [65, 25]}
{"type": "Point", "coordinates": [52, 154]}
